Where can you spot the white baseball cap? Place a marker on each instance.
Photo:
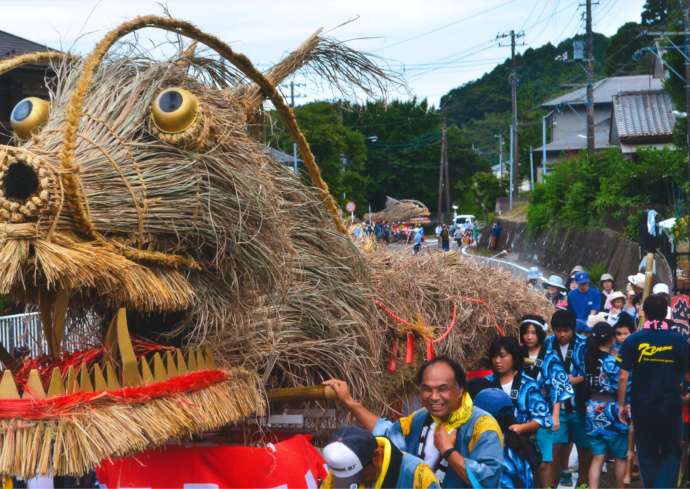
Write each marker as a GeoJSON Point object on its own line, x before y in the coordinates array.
{"type": "Point", "coordinates": [349, 450]}
{"type": "Point", "coordinates": [661, 289]}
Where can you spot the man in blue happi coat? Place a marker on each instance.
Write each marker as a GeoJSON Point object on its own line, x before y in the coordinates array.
{"type": "Point", "coordinates": [462, 443]}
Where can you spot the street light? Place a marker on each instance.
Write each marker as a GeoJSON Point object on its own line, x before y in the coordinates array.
{"type": "Point", "coordinates": [679, 114]}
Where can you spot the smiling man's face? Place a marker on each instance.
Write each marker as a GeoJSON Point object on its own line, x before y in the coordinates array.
{"type": "Point", "coordinates": [439, 391]}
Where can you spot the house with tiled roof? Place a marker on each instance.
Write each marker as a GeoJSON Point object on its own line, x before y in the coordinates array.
{"type": "Point", "coordinates": [641, 119]}
{"type": "Point", "coordinates": [568, 114]}
{"type": "Point", "coordinates": [27, 81]}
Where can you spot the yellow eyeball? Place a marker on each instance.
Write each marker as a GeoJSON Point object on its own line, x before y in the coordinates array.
{"type": "Point", "coordinates": [175, 110]}
{"type": "Point", "coordinates": [29, 115]}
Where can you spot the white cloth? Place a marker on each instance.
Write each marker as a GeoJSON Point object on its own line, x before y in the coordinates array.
{"type": "Point", "coordinates": [564, 350]}
{"type": "Point", "coordinates": [507, 387]}
{"type": "Point", "coordinates": [40, 482]}
{"type": "Point", "coordinates": [431, 453]}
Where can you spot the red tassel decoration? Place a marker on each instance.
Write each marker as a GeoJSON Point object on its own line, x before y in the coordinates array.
{"type": "Point", "coordinates": [409, 353]}
{"type": "Point", "coordinates": [429, 350]}
{"type": "Point", "coordinates": [392, 365]}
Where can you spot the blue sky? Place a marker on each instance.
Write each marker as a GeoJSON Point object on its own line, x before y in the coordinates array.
{"type": "Point", "coordinates": [436, 44]}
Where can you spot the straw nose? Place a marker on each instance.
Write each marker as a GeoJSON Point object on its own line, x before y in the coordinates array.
{"type": "Point", "coordinates": [20, 182]}
{"type": "Point", "coordinates": [24, 186]}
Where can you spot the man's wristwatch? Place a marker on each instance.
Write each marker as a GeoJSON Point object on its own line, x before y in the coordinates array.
{"type": "Point", "coordinates": [447, 453]}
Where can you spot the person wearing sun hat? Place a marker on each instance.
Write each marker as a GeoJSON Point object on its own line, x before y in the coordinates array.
{"type": "Point", "coordinates": [607, 283]}
{"type": "Point", "coordinates": [356, 458]}
{"type": "Point", "coordinates": [555, 289]}
{"type": "Point", "coordinates": [636, 282]}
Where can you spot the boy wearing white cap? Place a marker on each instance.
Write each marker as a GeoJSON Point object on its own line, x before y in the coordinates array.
{"type": "Point", "coordinates": [356, 458]}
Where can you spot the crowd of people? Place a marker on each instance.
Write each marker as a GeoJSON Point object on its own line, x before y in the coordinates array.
{"type": "Point", "coordinates": [608, 374]}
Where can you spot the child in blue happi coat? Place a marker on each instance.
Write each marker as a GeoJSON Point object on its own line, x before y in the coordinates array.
{"type": "Point", "coordinates": [608, 435]}
{"type": "Point", "coordinates": [570, 348]}
{"type": "Point", "coordinates": [530, 408]}
{"type": "Point", "coordinates": [545, 366]}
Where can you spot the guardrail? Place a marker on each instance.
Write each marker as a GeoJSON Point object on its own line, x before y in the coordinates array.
{"type": "Point", "coordinates": [25, 330]}
{"type": "Point", "coordinates": [517, 270]}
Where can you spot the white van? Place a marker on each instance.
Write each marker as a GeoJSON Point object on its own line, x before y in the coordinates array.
{"type": "Point", "coordinates": [463, 219]}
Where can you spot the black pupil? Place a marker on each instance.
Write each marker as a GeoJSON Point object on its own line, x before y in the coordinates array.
{"type": "Point", "coordinates": [170, 101]}
{"type": "Point", "coordinates": [20, 182]}
{"type": "Point", "coordinates": [22, 110]}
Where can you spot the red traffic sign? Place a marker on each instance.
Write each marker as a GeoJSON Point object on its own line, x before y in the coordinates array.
{"type": "Point", "coordinates": [350, 207]}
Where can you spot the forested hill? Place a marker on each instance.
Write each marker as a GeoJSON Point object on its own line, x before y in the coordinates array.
{"type": "Point", "coordinates": [482, 107]}
{"type": "Point", "coordinates": [369, 151]}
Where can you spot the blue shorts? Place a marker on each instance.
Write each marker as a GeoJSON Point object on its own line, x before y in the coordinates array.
{"type": "Point", "coordinates": [545, 444]}
{"type": "Point", "coordinates": [615, 446]}
{"type": "Point", "coordinates": [572, 430]}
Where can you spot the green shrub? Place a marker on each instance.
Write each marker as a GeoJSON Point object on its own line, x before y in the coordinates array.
{"type": "Point", "coordinates": [579, 193]}
{"type": "Point", "coordinates": [596, 270]}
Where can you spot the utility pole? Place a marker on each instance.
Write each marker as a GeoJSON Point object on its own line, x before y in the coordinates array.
{"type": "Point", "coordinates": [500, 154]}
{"type": "Point", "coordinates": [443, 184]}
{"type": "Point", "coordinates": [531, 169]}
{"type": "Point", "coordinates": [445, 165]}
{"type": "Point", "coordinates": [510, 170]}
{"type": "Point", "coordinates": [292, 105]}
{"type": "Point", "coordinates": [686, 19]}
{"type": "Point", "coordinates": [514, 155]}
{"type": "Point", "coordinates": [590, 88]}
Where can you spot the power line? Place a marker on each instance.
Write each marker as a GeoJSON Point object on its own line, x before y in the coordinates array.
{"type": "Point", "coordinates": [445, 26]}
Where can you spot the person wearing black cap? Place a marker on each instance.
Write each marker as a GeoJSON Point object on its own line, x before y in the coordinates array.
{"type": "Point", "coordinates": [657, 358]}
{"type": "Point", "coordinates": [462, 443]}
{"type": "Point", "coordinates": [356, 458]}
{"type": "Point", "coordinates": [607, 435]}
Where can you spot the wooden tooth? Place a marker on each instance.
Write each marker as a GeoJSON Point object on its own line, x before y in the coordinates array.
{"type": "Point", "coordinates": [181, 364]}
{"type": "Point", "coordinates": [200, 359]}
{"type": "Point", "coordinates": [170, 364]}
{"type": "Point", "coordinates": [56, 387]}
{"type": "Point", "coordinates": [111, 377]}
{"type": "Point", "coordinates": [98, 379]}
{"type": "Point", "coordinates": [130, 368]}
{"type": "Point", "coordinates": [210, 359]}
{"type": "Point", "coordinates": [8, 389]}
{"type": "Point", "coordinates": [71, 384]}
{"type": "Point", "coordinates": [33, 389]}
{"type": "Point", "coordinates": [191, 361]}
{"type": "Point", "coordinates": [159, 373]}
{"type": "Point", "coordinates": [85, 384]}
{"type": "Point", "coordinates": [146, 375]}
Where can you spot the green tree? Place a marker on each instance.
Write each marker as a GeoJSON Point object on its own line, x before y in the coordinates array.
{"type": "Point", "coordinates": [340, 152]}
{"type": "Point", "coordinates": [478, 194]}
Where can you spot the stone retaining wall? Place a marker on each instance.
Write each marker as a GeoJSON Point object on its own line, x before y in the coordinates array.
{"type": "Point", "coordinates": [561, 249]}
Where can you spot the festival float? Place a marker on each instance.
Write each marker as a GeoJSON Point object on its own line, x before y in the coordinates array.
{"type": "Point", "coordinates": [139, 202]}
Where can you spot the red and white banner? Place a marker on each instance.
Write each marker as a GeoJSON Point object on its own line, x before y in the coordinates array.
{"type": "Point", "coordinates": [291, 463]}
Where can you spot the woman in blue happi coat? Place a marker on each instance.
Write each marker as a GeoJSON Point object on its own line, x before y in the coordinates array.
{"type": "Point", "coordinates": [531, 409]}
{"type": "Point", "coordinates": [545, 366]}
{"type": "Point", "coordinates": [608, 436]}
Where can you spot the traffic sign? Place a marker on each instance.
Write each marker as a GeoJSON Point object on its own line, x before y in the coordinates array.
{"type": "Point", "coordinates": [350, 207]}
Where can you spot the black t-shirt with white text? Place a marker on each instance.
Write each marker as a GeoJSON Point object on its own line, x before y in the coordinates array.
{"type": "Point", "coordinates": [657, 361]}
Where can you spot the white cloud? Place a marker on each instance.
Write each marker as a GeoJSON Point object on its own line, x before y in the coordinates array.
{"type": "Point", "coordinates": [267, 29]}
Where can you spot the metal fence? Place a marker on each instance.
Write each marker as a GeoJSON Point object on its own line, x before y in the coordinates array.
{"type": "Point", "coordinates": [517, 270]}
{"type": "Point", "coordinates": [25, 330]}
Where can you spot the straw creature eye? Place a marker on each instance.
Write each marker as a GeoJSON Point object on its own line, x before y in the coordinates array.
{"type": "Point", "coordinates": [178, 118]}
{"type": "Point", "coordinates": [29, 115]}
{"type": "Point", "coordinates": [175, 110]}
